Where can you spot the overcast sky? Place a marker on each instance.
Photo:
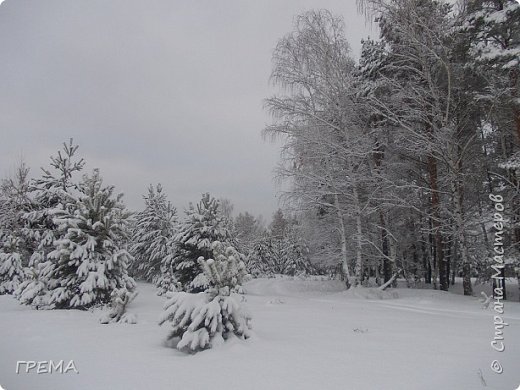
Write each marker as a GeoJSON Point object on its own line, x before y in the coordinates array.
{"type": "Point", "coordinates": [153, 91]}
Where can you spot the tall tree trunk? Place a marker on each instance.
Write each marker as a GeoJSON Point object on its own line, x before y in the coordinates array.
{"type": "Point", "coordinates": [453, 274]}
{"type": "Point", "coordinates": [377, 273]}
{"type": "Point", "coordinates": [426, 262]}
{"type": "Point", "coordinates": [513, 77]}
{"type": "Point", "coordinates": [434, 264]}
{"type": "Point", "coordinates": [433, 256]}
{"type": "Point", "coordinates": [440, 264]}
{"type": "Point", "coordinates": [455, 259]}
{"type": "Point", "coordinates": [393, 257]}
{"type": "Point", "coordinates": [415, 259]}
{"type": "Point", "coordinates": [377, 156]}
{"type": "Point", "coordinates": [518, 279]}
{"type": "Point", "coordinates": [358, 268]}
{"type": "Point", "coordinates": [461, 237]}
{"type": "Point", "coordinates": [387, 264]}
{"type": "Point", "coordinates": [343, 239]}
{"type": "Point", "coordinates": [513, 80]}
{"type": "Point", "coordinates": [448, 256]}
{"type": "Point", "coordinates": [428, 271]}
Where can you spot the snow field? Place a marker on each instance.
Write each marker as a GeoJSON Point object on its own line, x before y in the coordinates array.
{"type": "Point", "coordinates": [306, 335]}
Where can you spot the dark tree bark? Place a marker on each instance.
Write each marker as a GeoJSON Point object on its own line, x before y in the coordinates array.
{"type": "Point", "coordinates": [426, 262]}
{"type": "Point", "coordinates": [439, 262]}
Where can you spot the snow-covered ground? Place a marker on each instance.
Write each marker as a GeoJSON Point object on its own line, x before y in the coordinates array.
{"type": "Point", "coordinates": [307, 335]}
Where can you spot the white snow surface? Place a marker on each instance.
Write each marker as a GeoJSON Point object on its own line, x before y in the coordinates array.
{"type": "Point", "coordinates": [306, 335]}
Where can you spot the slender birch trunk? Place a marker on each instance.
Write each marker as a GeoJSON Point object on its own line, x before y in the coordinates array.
{"type": "Point", "coordinates": [358, 268]}
{"type": "Point", "coordinates": [343, 239]}
{"type": "Point", "coordinates": [387, 264]}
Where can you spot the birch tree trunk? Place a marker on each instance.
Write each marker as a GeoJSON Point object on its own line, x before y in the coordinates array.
{"type": "Point", "coordinates": [439, 266]}
{"type": "Point", "coordinates": [343, 240]}
{"type": "Point", "coordinates": [358, 268]}
{"type": "Point", "coordinates": [387, 264]}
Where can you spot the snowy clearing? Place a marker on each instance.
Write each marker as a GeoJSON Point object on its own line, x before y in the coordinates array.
{"type": "Point", "coordinates": [306, 335]}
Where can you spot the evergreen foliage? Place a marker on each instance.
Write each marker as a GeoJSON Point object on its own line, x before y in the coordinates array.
{"type": "Point", "coordinates": [11, 265]}
{"type": "Point", "coordinates": [15, 245]}
{"type": "Point", "coordinates": [203, 225]}
{"type": "Point", "coordinates": [121, 298]}
{"type": "Point", "coordinates": [152, 236]}
{"type": "Point", "coordinates": [88, 261]}
{"type": "Point", "coordinates": [53, 190]}
{"type": "Point", "coordinates": [206, 319]}
{"type": "Point", "coordinates": [248, 231]}
{"type": "Point", "coordinates": [284, 254]}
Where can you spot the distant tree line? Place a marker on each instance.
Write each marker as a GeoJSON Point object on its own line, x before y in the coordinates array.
{"type": "Point", "coordinates": [69, 243]}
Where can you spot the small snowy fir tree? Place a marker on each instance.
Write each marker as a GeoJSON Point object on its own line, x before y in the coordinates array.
{"type": "Point", "coordinates": [205, 320]}
{"type": "Point", "coordinates": [154, 228]}
{"type": "Point", "coordinates": [283, 254]}
{"type": "Point", "coordinates": [121, 298]}
{"type": "Point", "coordinates": [54, 189]}
{"type": "Point", "coordinates": [89, 262]}
{"type": "Point", "coordinates": [15, 247]}
{"type": "Point", "coordinates": [248, 231]}
{"type": "Point", "coordinates": [14, 200]}
{"type": "Point", "coordinates": [260, 257]}
{"type": "Point", "coordinates": [294, 254]}
{"type": "Point", "coordinates": [11, 267]}
{"type": "Point", "coordinates": [203, 226]}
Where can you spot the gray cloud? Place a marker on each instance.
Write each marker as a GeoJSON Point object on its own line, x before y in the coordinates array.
{"type": "Point", "coordinates": [153, 91]}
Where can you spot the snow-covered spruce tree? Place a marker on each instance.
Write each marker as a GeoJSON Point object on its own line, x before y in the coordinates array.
{"type": "Point", "coordinates": [279, 224]}
{"type": "Point", "coordinates": [248, 231]}
{"type": "Point", "coordinates": [14, 200]}
{"type": "Point", "coordinates": [11, 267]}
{"type": "Point", "coordinates": [295, 254]}
{"type": "Point", "coordinates": [260, 257]}
{"type": "Point", "coordinates": [15, 248]}
{"type": "Point", "coordinates": [121, 298]}
{"type": "Point", "coordinates": [206, 319]}
{"type": "Point", "coordinates": [154, 228]}
{"type": "Point", "coordinates": [88, 262]}
{"type": "Point", "coordinates": [53, 190]}
{"type": "Point", "coordinates": [284, 254]}
{"type": "Point", "coordinates": [4, 214]}
{"type": "Point", "coordinates": [204, 224]}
